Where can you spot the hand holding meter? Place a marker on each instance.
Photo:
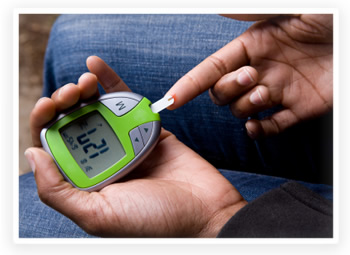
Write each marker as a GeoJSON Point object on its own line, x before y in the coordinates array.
{"type": "Point", "coordinates": [99, 142]}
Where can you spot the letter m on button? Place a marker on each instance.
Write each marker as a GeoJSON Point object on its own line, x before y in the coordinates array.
{"type": "Point", "coordinates": [121, 105]}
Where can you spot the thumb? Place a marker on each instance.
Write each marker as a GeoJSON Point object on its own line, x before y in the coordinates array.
{"type": "Point", "coordinates": [53, 190]}
{"type": "Point", "coordinates": [272, 125]}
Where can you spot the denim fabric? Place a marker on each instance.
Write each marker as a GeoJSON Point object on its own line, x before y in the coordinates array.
{"type": "Point", "coordinates": [251, 186]}
{"type": "Point", "coordinates": [150, 53]}
{"type": "Point", "coordinates": [37, 220]}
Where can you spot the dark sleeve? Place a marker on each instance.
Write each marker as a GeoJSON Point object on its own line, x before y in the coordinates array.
{"type": "Point", "coordinates": [289, 211]}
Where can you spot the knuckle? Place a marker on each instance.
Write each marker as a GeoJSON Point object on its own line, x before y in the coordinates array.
{"type": "Point", "coordinates": [115, 83]}
{"type": "Point", "coordinates": [238, 111]}
{"type": "Point", "coordinates": [195, 83]}
{"type": "Point", "coordinates": [219, 64]}
{"type": "Point", "coordinates": [274, 126]}
{"type": "Point", "coordinates": [222, 91]}
{"type": "Point", "coordinates": [215, 96]}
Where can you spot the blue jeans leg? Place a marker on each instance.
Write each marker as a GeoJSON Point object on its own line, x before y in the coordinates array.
{"type": "Point", "coordinates": [37, 220]}
{"type": "Point", "coordinates": [150, 53]}
{"type": "Point", "coordinates": [251, 186]}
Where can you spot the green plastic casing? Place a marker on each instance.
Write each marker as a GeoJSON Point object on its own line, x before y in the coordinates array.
{"type": "Point", "coordinates": [121, 126]}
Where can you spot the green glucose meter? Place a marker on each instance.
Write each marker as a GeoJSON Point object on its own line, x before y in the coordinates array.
{"type": "Point", "coordinates": [99, 142]}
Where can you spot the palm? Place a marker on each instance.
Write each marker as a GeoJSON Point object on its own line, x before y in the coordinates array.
{"type": "Point", "coordinates": [174, 192]}
{"type": "Point", "coordinates": [174, 181]}
{"type": "Point", "coordinates": [293, 57]}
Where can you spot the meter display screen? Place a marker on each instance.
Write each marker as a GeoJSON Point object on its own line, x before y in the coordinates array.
{"type": "Point", "coordinates": [92, 143]}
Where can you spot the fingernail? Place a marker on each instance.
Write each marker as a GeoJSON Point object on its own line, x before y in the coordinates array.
{"type": "Point", "coordinates": [244, 78]}
{"type": "Point", "coordinates": [83, 76]}
{"type": "Point", "coordinates": [60, 91]}
{"type": "Point", "coordinates": [250, 133]}
{"type": "Point", "coordinates": [39, 101]}
{"type": "Point", "coordinates": [29, 156]}
{"type": "Point", "coordinates": [256, 98]}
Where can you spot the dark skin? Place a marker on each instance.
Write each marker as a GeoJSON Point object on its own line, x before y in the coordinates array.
{"type": "Point", "coordinates": [175, 192]}
{"type": "Point", "coordinates": [285, 60]}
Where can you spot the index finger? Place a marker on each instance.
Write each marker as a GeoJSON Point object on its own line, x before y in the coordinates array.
{"type": "Point", "coordinates": [208, 72]}
{"type": "Point", "coordinates": [110, 81]}
{"type": "Point", "coordinates": [44, 111]}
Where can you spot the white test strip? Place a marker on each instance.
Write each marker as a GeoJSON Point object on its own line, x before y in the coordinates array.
{"type": "Point", "coordinates": [162, 103]}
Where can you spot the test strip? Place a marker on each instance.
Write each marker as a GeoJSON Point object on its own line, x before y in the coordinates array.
{"type": "Point", "coordinates": [162, 103]}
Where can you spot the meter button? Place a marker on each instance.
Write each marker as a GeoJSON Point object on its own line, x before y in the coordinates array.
{"type": "Point", "coordinates": [136, 140]}
{"type": "Point", "coordinates": [120, 105]}
{"type": "Point", "coordinates": [146, 131]}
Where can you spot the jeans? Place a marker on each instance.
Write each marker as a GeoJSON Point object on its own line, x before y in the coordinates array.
{"type": "Point", "coordinates": [150, 53]}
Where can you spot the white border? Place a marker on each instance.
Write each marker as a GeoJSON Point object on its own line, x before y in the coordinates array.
{"type": "Point", "coordinates": [173, 10]}
{"type": "Point", "coordinates": [174, 241]}
{"type": "Point", "coordinates": [16, 123]}
{"type": "Point", "coordinates": [336, 153]}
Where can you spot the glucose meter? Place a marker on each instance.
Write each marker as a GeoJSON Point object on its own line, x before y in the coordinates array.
{"type": "Point", "coordinates": [99, 142]}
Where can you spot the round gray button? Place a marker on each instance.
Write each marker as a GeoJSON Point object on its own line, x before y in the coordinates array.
{"type": "Point", "coordinates": [120, 105]}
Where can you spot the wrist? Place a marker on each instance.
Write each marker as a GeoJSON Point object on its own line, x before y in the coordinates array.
{"type": "Point", "coordinates": [219, 219]}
